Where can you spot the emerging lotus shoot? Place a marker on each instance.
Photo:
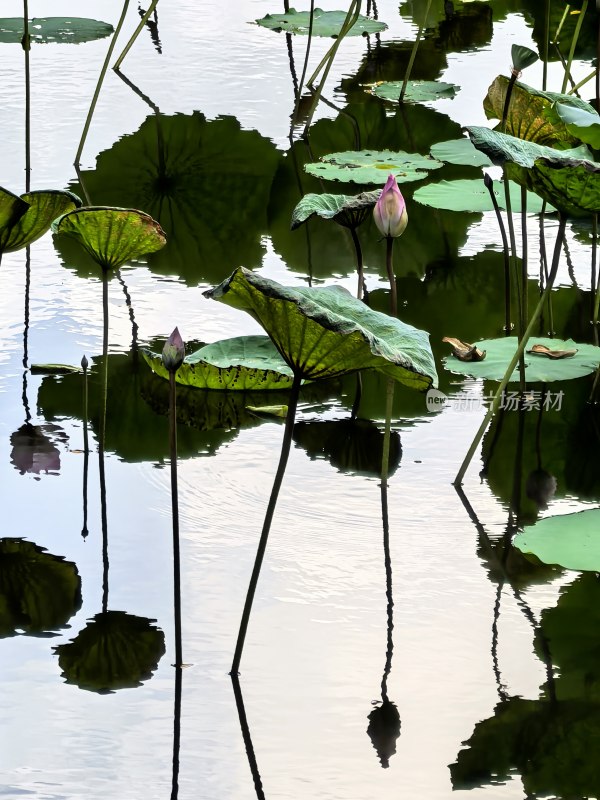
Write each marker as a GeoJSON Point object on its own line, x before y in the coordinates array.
{"type": "Point", "coordinates": [390, 212]}
{"type": "Point", "coordinates": [173, 351]}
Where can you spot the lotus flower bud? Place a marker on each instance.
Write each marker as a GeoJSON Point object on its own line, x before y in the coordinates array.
{"type": "Point", "coordinates": [390, 210]}
{"type": "Point", "coordinates": [173, 351]}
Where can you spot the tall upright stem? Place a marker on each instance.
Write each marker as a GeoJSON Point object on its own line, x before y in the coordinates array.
{"type": "Point", "coordinates": [135, 34]}
{"type": "Point", "coordinates": [413, 54]}
{"type": "Point", "coordinates": [391, 276]}
{"type": "Point", "coordinates": [264, 536]}
{"type": "Point", "coordinates": [574, 45]}
{"type": "Point", "coordinates": [101, 438]}
{"type": "Point", "coordinates": [359, 262]}
{"type": "Point", "coordinates": [385, 460]}
{"type": "Point", "coordinates": [518, 354]}
{"type": "Point", "coordinates": [175, 514]}
{"type": "Point", "coordinates": [489, 183]}
{"type": "Point", "coordinates": [86, 448]}
{"type": "Point", "coordinates": [27, 47]}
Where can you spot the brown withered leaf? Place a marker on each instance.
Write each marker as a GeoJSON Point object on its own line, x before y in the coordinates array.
{"type": "Point", "coordinates": [542, 350]}
{"type": "Point", "coordinates": [464, 351]}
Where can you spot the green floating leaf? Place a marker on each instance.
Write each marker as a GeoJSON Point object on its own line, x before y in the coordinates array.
{"type": "Point", "coordinates": [325, 23]}
{"type": "Point", "coordinates": [244, 363]}
{"type": "Point", "coordinates": [43, 208]}
{"type": "Point", "coordinates": [53, 369]}
{"type": "Point", "coordinates": [460, 151]}
{"type": "Point", "coordinates": [499, 353]}
{"type": "Point", "coordinates": [373, 166]}
{"type": "Point", "coordinates": [531, 113]}
{"type": "Point", "coordinates": [570, 540]}
{"type": "Point", "coordinates": [583, 124]}
{"type": "Point", "coordinates": [112, 236]}
{"type": "Point", "coordinates": [58, 30]}
{"type": "Point", "coordinates": [472, 195]}
{"type": "Point", "coordinates": [326, 332]}
{"type": "Point", "coordinates": [347, 210]}
{"type": "Point", "coordinates": [416, 91]}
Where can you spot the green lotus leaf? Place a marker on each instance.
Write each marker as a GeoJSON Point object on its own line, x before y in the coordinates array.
{"type": "Point", "coordinates": [58, 30]}
{"type": "Point", "coordinates": [499, 353]}
{"type": "Point", "coordinates": [44, 207]}
{"type": "Point", "coordinates": [244, 363]}
{"type": "Point", "coordinates": [114, 651]}
{"type": "Point", "coordinates": [522, 57]}
{"type": "Point", "coordinates": [347, 210]}
{"type": "Point", "coordinates": [39, 592]}
{"type": "Point", "coordinates": [373, 166]}
{"type": "Point", "coordinates": [531, 114]}
{"type": "Point", "coordinates": [325, 23]}
{"type": "Point", "coordinates": [416, 91]}
{"type": "Point", "coordinates": [460, 151]}
{"type": "Point", "coordinates": [326, 332]}
{"type": "Point", "coordinates": [582, 123]}
{"type": "Point", "coordinates": [12, 209]}
{"type": "Point", "coordinates": [502, 148]}
{"type": "Point", "coordinates": [570, 540]}
{"type": "Point", "coordinates": [472, 195]}
{"type": "Point", "coordinates": [112, 236]}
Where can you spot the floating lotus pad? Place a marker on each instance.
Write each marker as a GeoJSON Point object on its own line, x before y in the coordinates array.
{"type": "Point", "coordinates": [347, 210]}
{"type": "Point", "coordinates": [58, 30]}
{"type": "Point", "coordinates": [112, 236]}
{"type": "Point", "coordinates": [532, 114]}
{"type": "Point", "coordinates": [373, 166]}
{"type": "Point", "coordinates": [325, 23]}
{"type": "Point", "coordinates": [416, 91]}
{"type": "Point", "coordinates": [244, 363]}
{"type": "Point", "coordinates": [460, 151]}
{"type": "Point", "coordinates": [43, 207]}
{"type": "Point", "coordinates": [582, 123]}
{"type": "Point", "coordinates": [326, 332]}
{"type": "Point", "coordinates": [472, 195]}
{"type": "Point", "coordinates": [499, 353]}
{"type": "Point", "coordinates": [570, 540]}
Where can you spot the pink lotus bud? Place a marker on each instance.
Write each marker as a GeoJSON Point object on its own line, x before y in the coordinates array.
{"type": "Point", "coordinates": [173, 351]}
{"type": "Point", "coordinates": [390, 210]}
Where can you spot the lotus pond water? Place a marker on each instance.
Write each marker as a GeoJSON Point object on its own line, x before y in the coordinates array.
{"type": "Point", "coordinates": [411, 633]}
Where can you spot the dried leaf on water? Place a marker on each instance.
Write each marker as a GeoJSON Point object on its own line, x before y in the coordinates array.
{"type": "Point", "coordinates": [464, 351]}
{"type": "Point", "coordinates": [542, 350]}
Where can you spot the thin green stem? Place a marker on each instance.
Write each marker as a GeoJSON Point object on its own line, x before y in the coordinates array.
{"type": "Point", "coordinates": [359, 263]}
{"type": "Point", "coordinates": [101, 440]}
{"type": "Point", "coordinates": [546, 45]}
{"type": "Point", "coordinates": [524, 253]}
{"type": "Point", "coordinates": [518, 354]}
{"type": "Point", "coordinates": [596, 283]}
{"type": "Point", "coordinates": [135, 35]}
{"type": "Point", "coordinates": [505, 252]}
{"type": "Point", "coordinates": [385, 461]}
{"type": "Point", "coordinates": [26, 43]}
{"type": "Point", "coordinates": [175, 516]}
{"type": "Point", "coordinates": [305, 66]}
{"type": "Point", "coordinates": [413, 54]}
{"type": "Point", "coordinates": [264, 536]}
{"type": "Point", "coordinates": [90, 114]}
{"type": "Point", "coordinates": [391, 276]}
{"type": "Point", "coordinates": [511, 82]}
{"type": "Point", "coordinates": [86, 447]}
{"type": "Point", "coordinates": [574, 45]}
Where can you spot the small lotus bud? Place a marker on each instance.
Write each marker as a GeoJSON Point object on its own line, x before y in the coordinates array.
{"type": "Point", "coordinates": [390, 213]}
{"type": "Point", "coordinates": [84, 363]}
{"type": "Point", "coordinates": [173, 351]}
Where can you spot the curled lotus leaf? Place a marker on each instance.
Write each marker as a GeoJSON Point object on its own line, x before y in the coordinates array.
{"type": "Point", "coordinates": [325, 332]}
{"type": "Point", "coordinates": [43, 208]}
{"type": "Point", "coordinates": [325, 23]}
{"type": "Point", "coordinates": [581, 123]}
{"type": "Point", "coordinates": [373, 166]}
{"type": "Point", "coordinates": [112, 236]}
{"type": "Point", "coordinates": [503, 148]}
{"type": "Point", "coordinates": [12, 209]}
{"type": "Point", "coordinates": [416, 91]}
{"type": "Point", "coordinates": [244, 363]}
{"type": "Point", "coordinates": [347, 210]}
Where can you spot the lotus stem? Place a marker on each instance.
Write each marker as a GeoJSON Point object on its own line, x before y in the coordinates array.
{"type": "Point", "coordinates": [413, 54]}
{"type": "Point", "coordinates": [517, 356]}
{"type": "Point", "coordinates": [505, 252]}
{"type": "Point", "coordinates": [175, 516]}
{"type": "Point", "coordinates": [582, 82]}
{"type": "Point", "coordinates": [135, 35]}
{"type": "Point", "coordinates": [90, 114]}
{"type": "Point", "coordinates": [595, 276]}
{"type": "Point", "coordinates": [562, 22]}
{"type": "Point", "coordinates": [385, 460]}
{"type": "Point", "coordinates": [391, 276]}
{"type": "Point", "coordinates": [511, 82]}
{"type": "Point", "coordinates": [26, 44]}
{"type": "Point", "coordinates": [343, 30]}
{"type": "Point", "coordinates": [359, 263]}
{"type": "Point", "coordinates": [305, 66]}
{"type": "Point", "coordinates": [176, 733]}
{"type": "Point", "coordinates": [524, 253]}
{"type": "Point", "coordinates": [546, 55]}
{"type": "Point", "coordinates": [521, 286]}
{"type": "Point", "coordinates": [262, 545]}
{"type": "Point", "coordinates": [239, 702]}
{"type": "Point", "coordinates": [574, 44]}
{"type": "Point", "coordinates": [101, 439]}
{"type": "Point", "coordinates": [86, 447]}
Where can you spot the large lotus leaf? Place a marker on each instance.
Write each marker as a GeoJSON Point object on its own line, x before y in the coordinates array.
{"type": "Point", "coordinates": [12, 209]}
{"type": "Point", "coordinates": [373, 166]}
{"type": "Point", "coordinates": [416, 91]}
{"type": "Point", "coordinates": [570, 540]}
{"type": "Point", "coordinates": [114, 651]}
{"type": "Point", "coordinates": [538, 368]}
{"type": "Point", "coordinates": [547, 743]}
{"type": "Point", "coordinates": [459, 151]}
{"type": "Point", "coordinates": [582, 123]}
{"type": "Point", "coordinates": [112, 236]}
{"type": "Point", "coordinates": [207, 183]}
{"type": "Point", "coordinates": [59, 30]}
{"type": "Point", "coordinates": [244, 363]}
{"type": "Point", "coordinates": [39, 592]}
{"type": "Point", "coordinates": [347, 210]}
{"type": "Point", "coordinates": [326, 332]}
{"type": "Point", "coordinates": [44, 207]}
{"type": "Point", "coordinates": [571, 630]}
{"type": "Point", "coordinates": [531, 113]}
{"type": "Point", "coordinates": [325, 23]}
{"type": "Point", "coordinates": [471, 194]}
{"type": "Point", "coordinates": [505, 149]}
